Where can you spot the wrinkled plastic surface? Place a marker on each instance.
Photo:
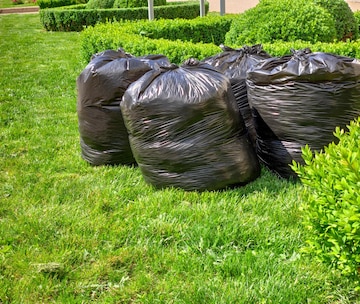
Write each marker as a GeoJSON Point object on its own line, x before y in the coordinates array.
{"type": "Point", "coordinates": [300, 99]}
{"type": "Point", "coordinates": [185, 129]}
{"type": "Point", "coordinates": [101, 85]}
{"type": "Point", "coordinates": [235, 63]}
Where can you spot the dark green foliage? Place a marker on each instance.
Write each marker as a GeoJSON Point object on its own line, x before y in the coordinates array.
{"type": "Point", "coordinates": [211, 29]}
{"type": "Point", "coordinates": [136, 3]}
{"type": "Point", "coordinates": [57, 3]}
{"type": "Point", "coordinates": [135, 37]}
{"type": "Point", "coordinates": [331, 212]}
{"type": "Point", "coordinates": [345, 22]}
{"type": "Point", "coordinates": [98, 4]}
{"type": "Point", "coordinates": [75, 18]}
{"type": "Point", "coordinates": [357, 18]}
{"type": "Point", "coordinates": [285, 20]}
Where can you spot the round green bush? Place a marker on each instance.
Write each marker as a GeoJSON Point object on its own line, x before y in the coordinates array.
{"type": "Point", "coordinates": [357, 18]}
{"type": "Point", "coordinates": [286, 20]}
{"type": "Point", "coordinates": [96, 4]}
{"type": "Point", "coordinates": [136, 3]}
{"type": "Point", "coordinates": [345, 22]}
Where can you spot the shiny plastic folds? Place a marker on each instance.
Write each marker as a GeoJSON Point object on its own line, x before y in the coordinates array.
{"type": "Point", "coordinates": [235, 63]}
{"type": "Point", "coordinates": [185, 129]}
{"type": "Point", "coordinates": [300, 99]}
{"type": "Point", "coordinates": [100, 87]}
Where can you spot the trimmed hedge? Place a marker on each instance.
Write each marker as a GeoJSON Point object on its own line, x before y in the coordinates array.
{"type": "Point", "coordinates": [136, 3]}
{"type": "Point", "coordinates": [77, 17]}
{"type": "Point", "coordinates": [285, 20]}
{"type": "Point", "coordinates": [98, 4]}
{"type": "Point", "coordinates": [343, 48]}
{"type": "Point", "coordinates": [180, 39]}
{"type": "Point", "coordinates": [171, 37]}
{"type": "Point", "coordinates": [57, 3]}
{"type": "Point", "coordinates": [345, 23]}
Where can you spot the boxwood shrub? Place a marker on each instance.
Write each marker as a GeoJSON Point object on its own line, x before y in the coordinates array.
{"type": "Point", "coordinates": [178, 39]}
{"type": "Point", "coordinates": [345, 23]}
{"type": "Point", "coordinates": [331, 210]}
{"type": "Point", "coordinates": [97, 4]}
{"type": "Point", "coordinates": [198, 38]}
{"type": "Point", "coordinates": [344, 48]}
{"type": "Point", "coordinates": [57, 3]}
{"type": "Point", "coordinates": [77, 17]}
{"type": "Point", "coordinates": [136, 3]}
{"type": "Point", "coordinates": [286, 20]}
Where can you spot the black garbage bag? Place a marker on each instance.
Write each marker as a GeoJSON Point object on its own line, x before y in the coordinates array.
{"type": "Point", "coordinates": [235, 63]}
{"type": "Point", "coordinates": [101, 85]}
{"type": "Point", "coordinates": [185, 129]}
{"type": "Point", "coordinates": [299, 99]}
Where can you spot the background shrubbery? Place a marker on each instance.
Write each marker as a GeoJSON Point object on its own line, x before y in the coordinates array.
{"type": "Point", "coordinates": [136, 3]}
{"type": "Point", "coordinates": [285, 20]}
{"type": "Point", "coordinates": [58, 3]}
{"type": "Point", "coordinates": [331, 210]}
{"type": "Point", "coordinates": [345, 23]}
{"type": "Point", "coordinates": [205, 33]}
{"type": "Point", "coordinates": [76, 18]}
{"type": "Point", "coordinates": [180, 39]}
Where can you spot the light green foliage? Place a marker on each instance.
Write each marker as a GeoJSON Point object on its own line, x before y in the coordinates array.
{"type": "Point", "coordinates": [136, 3]}
{"type": "Point", "coordinates": [348, 48]}
{"type": "Point", "coordinates": [285, 20]}
{"type": "Point", "coordinates": [345, 22]}
{"type": "Point", "coordinates": [331, 211]}
{"type": "Point", "coordinates": [136, 37]}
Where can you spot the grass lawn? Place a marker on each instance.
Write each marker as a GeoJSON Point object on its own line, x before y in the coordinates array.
{"type": "Point", "coordinates": [72, 233]}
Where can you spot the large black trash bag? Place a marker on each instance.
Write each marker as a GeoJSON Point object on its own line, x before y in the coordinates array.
{"type": "Point", "coordinates": [235, 63]}
{"type": "Point", "coordinates": [101, 85]}
{"type": "Point", "coordinates": [299, 99]}
{"type": "Point", "coordinates": [185, 129]}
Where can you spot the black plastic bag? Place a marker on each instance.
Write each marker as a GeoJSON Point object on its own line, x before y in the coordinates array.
{"type": "Point", "coordinates": [185, 129]}
{"type": "Point", "coordinates": [101, 85]}
{"type": "Point", "coordinates": [299, 99]}
{"type": "Point", "coordinates": [235, 63]}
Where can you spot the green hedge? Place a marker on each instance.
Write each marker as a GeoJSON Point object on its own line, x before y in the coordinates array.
{"type": "Point", "coordinates": [136, 3]}
{"type": "Point", "coordinates": [286, 20]}
{"type": "Point", "coordinates": [204, 33]}
{"type": "Point", "coordinates": [77, 17]}
{"type": "Point", "coordinates": [56, 3]}
{"type": "Point", "coordinates": [345, 23]}
{"type": "Point", "coordinates": [331, 211]}
{"type": "Point", "coordinates": [344, 48]}
{"type": "Point", "coordinates": [181, 39]}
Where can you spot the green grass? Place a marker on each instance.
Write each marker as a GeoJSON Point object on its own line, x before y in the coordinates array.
{"type": "Point", "coordinates": [72, 233]}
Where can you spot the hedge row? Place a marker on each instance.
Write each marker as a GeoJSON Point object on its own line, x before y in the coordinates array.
{"type": "Point", "coordinates": [180, 39]}
{"type": "Point", "coordinates": [57, 3]}
{"type": "Point", "coordinates": [77, 17]}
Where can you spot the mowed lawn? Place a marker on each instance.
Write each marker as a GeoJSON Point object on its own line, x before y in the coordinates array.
{"type": "Point", "coordinates": [72, 233]}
